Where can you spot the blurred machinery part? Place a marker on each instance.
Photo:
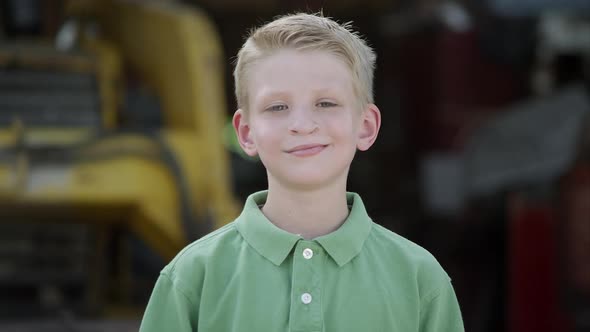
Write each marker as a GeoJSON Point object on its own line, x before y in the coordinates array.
{"type": "Point", "coordinates": [535, 7]}
{"type": "Point", "coordinates": [511, 150]}
{"type": "Point", "coordinates": [110, 147]}
{"type": "Point", "coordinates": [23, 16]}
{"type": "Point", "coordinates": [561, 36]}
{"type": "Point", "coordinates": [575, 244]}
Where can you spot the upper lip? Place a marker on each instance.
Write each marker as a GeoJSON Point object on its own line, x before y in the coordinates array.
{"type": "Point", "coordinates": [304, 147]}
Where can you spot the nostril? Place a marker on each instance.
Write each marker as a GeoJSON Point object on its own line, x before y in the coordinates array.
{"type": "Point", "coordinates": [303, 126]}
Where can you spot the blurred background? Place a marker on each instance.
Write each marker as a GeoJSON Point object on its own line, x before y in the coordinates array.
{"type": "Point", "coordinates": [116, 149]}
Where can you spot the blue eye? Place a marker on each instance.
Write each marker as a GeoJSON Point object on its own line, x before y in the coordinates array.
{"type": "Point", "coordinates": [325, 104]}
{"type": "Point", "coordinates": [277, 108]}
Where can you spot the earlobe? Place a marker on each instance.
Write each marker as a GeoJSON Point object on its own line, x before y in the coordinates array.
{"type": "Point", "coordinates": [370, 123]}
{"type": "Point", "coordinates": [242, 128]}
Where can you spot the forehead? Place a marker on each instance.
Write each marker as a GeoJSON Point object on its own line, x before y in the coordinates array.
{"type": "Point", "coordinates": [291, 71]}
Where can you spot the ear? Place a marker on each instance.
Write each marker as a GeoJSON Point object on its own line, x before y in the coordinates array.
{"type": "Point", "coordinates": [369, 123]}
{"type": "Point", "coordinates": [242, 128]}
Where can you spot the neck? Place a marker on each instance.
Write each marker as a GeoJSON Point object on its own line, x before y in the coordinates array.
{"type": "Point", "coordinates": [309, 213]}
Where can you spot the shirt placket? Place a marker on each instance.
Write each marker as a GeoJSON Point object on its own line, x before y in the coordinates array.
{"type": "Point", "coordinates": [306, 292]}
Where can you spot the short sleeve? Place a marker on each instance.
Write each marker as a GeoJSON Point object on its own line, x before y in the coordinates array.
{"type": "Point", "coordinates": [440, 311]}
{"type": "Point", "coordinates": [169, 308]}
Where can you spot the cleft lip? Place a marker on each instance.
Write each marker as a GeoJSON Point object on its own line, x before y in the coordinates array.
{"type": "Point", "coordinates": [305, 147]}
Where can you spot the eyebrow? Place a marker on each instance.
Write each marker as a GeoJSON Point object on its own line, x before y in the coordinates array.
{"type": "Point", "coordinates": [266, 97]}
{"type": "Point", "coordinates": [280, 93]}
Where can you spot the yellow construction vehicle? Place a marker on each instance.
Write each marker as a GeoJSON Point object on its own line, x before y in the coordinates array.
{"type": "Point", "coordinates": [119, 134]}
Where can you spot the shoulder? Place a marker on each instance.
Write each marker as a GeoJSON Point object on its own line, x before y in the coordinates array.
{"type": "Point", "coordinates": [191, 262]}
{"type": "Point", "coordinates": [397, 246]}
{"type": "Point", "coordinates": [409, 258]}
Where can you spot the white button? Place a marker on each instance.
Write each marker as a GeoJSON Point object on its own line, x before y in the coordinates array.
{"type": "Point", "coordinates": [306, 298]}
{"type": "Point", "coordinates": [307, 253]}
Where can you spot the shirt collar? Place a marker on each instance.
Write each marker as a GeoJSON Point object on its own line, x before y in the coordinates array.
{"type": "Point", "coordinates": [275, 244]}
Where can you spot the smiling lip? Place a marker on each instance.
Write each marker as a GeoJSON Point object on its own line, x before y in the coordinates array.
{"type": "Point", "coordinates": [307, 150]}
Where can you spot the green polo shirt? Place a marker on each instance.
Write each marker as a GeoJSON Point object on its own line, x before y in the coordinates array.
{"type": "Point", "coordinates": [252, 276]}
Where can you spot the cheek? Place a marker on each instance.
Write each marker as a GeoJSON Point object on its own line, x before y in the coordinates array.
{"type": "Point", "coordinates": [265, 137]}
{"type": "Point", "coordinates": [344, 129]}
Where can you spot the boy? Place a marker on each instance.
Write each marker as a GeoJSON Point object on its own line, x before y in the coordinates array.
{"type": "Point", "coordinates": [304, 255]}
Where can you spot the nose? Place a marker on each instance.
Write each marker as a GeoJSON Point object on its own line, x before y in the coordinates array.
{"type": "Point", "coordinates": [302, 122]}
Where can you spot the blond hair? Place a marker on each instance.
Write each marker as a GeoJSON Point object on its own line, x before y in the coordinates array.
{"type": "Point", "coordinates": [308, 32]}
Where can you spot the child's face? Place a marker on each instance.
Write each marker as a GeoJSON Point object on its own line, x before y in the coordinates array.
{"type": "Point", "coordinates": [303, 118]}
